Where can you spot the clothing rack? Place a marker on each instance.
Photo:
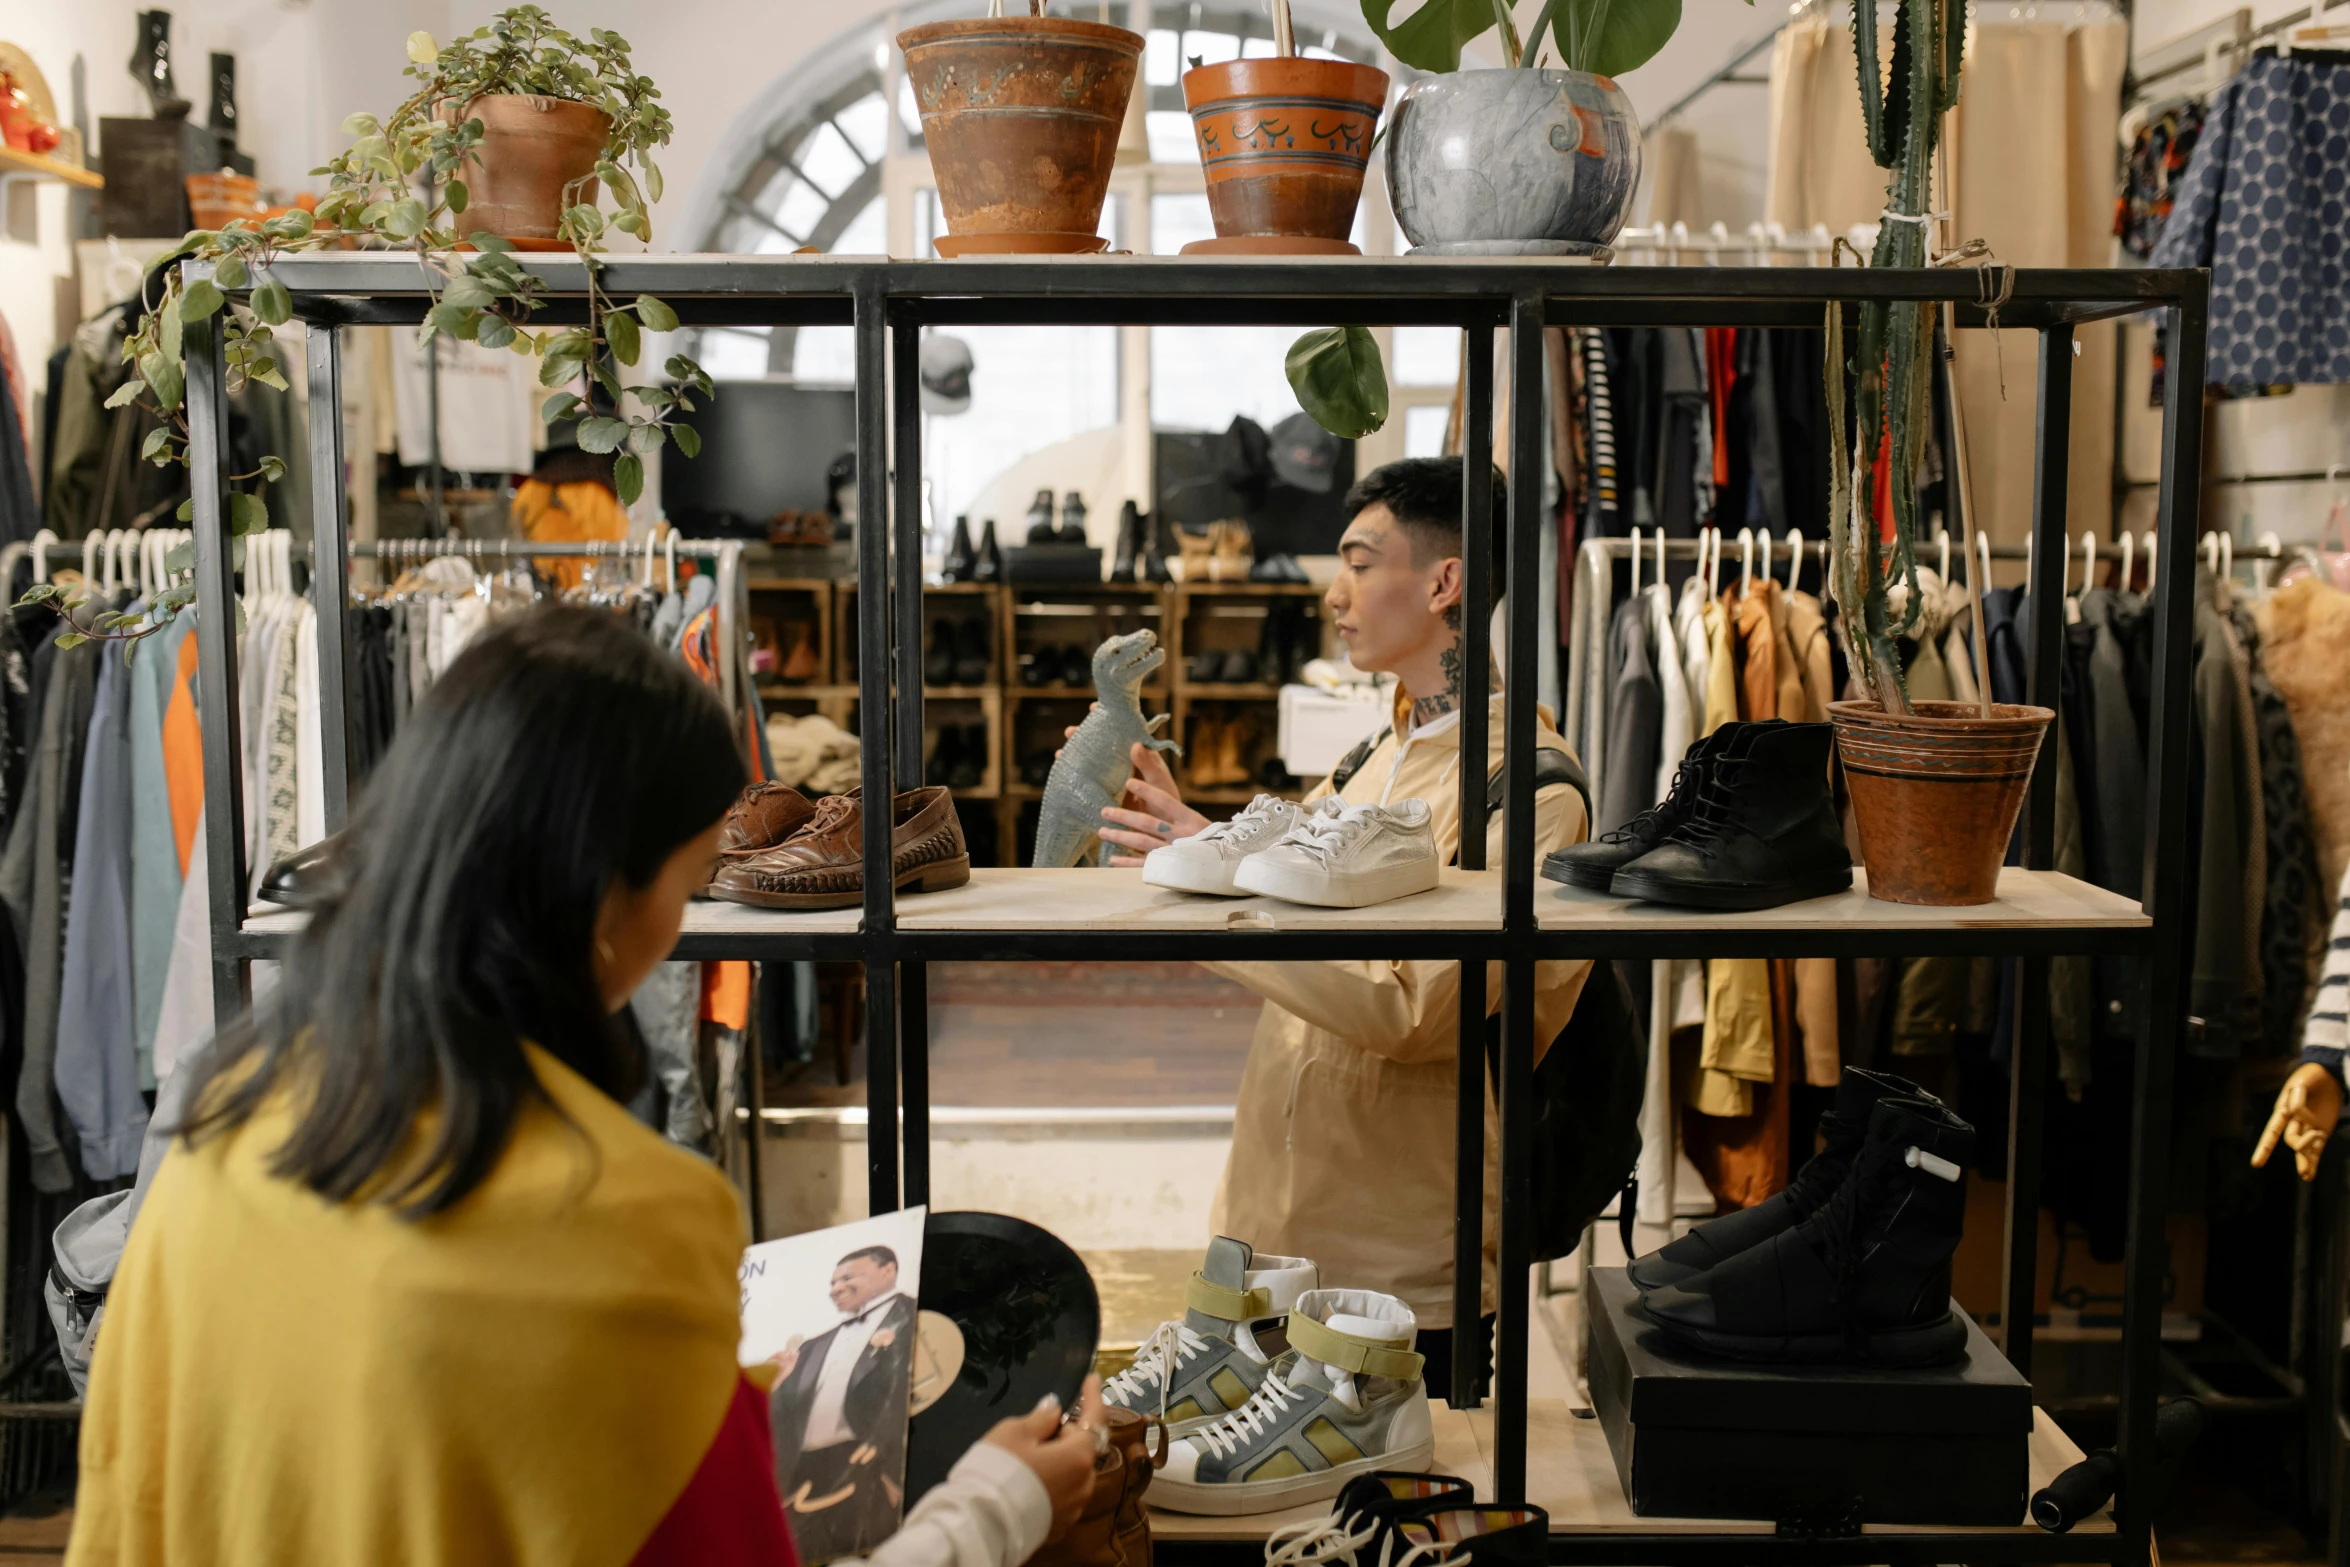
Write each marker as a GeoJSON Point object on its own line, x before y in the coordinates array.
{"type": "Point", "coordinates": [1755, 242]}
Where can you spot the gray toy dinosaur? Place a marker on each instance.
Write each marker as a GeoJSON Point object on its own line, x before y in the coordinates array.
{"type": "Point", "coordinates": [1091, 771]}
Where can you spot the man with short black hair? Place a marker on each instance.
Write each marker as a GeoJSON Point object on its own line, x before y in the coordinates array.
{"type": "Point", "coordinates": [1342, 1146]}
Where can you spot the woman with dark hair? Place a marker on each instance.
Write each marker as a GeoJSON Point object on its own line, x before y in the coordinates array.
{"type": "Point", "coordinates": [411, 1286]}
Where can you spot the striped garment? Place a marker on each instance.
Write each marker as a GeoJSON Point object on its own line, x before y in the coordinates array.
{"type": "Point", "coordinates": [2326, 1034]}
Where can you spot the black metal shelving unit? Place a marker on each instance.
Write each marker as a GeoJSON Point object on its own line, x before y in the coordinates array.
{"type": "Point", "coordinates": [1491, 915]}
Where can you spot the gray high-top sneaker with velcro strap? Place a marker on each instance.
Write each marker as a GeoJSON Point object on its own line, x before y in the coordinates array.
{"type": "Point", "coordinates": [1346, 1400]}
{"type": "Point", "coordinates": [1212, 1360]}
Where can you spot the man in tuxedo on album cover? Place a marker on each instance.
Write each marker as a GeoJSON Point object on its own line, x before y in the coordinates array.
{"type": "Point", "coordinates": [838, 1413]}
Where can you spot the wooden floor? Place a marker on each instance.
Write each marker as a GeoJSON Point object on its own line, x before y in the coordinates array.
{"type": "Point", "coordinates": [1066, 1035]}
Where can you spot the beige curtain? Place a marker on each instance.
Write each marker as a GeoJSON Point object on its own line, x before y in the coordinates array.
{"type": "Point", "coordinates": [1673, 189]}
{"type": "Point", "coordinates": [2031, 154]}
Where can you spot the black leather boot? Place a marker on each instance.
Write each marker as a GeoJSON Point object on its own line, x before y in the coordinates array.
{"type": "Point", "coordinates": [1844, 1128]}
{"type": "Point", "coordinates": [1154, 554]}
{"type": "Point", "coordinates": [1072, 529]}
{"type": "Point", "coordinates": [222, 121]}
{"type": "Point", "coordinates": [151, 66]}
{"type": "Point", "coordinates": [960, 559]}
{"type": "Point", "coordinates": [1040, 518]}
{"type": "Point", "coordinates": [1593, 865]}
{"type": "Point", "coordinates": [989, 567]}
{"type": "Point", "coordinates": [971, 653]}
{"type": "Point", "coordinates": [1765, 831]}
{"type": "Point", "coordinates": [1122, 559]}
{"type": "Point", "coordinates": [1865, 1279]}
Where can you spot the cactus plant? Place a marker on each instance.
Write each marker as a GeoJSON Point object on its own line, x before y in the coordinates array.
{"type": "Point", "coordinates": [1902, 111]}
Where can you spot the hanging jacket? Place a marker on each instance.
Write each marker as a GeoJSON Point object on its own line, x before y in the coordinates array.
{"type": "Point", "coordinates": [2117, 855]}
{"type": "Point", "coordinates": [1342, 1138]}
{"type": "Point", "coordinates": [2221, 1006]}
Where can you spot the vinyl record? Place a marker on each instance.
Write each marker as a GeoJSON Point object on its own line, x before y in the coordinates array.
{"type": "Point", "coordinates": [1029, 1318]}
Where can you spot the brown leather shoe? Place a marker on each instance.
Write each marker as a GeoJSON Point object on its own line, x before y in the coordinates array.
{"type": "Point", "coordinates": [761, 817]}
{"type": "Point", "coordinates": [822, 866]}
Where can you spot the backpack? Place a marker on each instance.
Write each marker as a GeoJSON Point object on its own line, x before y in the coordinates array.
{"type": "Point", "coordinates": [1588, 1085]}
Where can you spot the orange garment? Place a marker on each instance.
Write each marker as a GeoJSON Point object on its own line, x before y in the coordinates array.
{"type": "Point", "coordinates": [726, 993]}
{"type": "Point", "coordinates": [567, 514]}
{"type": "Point", "coordinates": [1758, 652]}
{"type": "Point", "coordinates": [183, 753]}
{"type": "Point", "coordinates": [1747, 1158]}
{"type": "Point", "coordinates": [1721, 365]}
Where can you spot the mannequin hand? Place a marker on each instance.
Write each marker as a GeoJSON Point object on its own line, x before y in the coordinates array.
{"type": "Point", "coordinates": [2307, 1107]}
{"type": "Point", "coordinates": [1154, 812]}
{"type": "Point", "coordinates": [1062, 1455]}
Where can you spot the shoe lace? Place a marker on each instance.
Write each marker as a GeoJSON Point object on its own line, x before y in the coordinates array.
{"type": "Point", "coordinates": [1248, 818]}
{"type": "Point", "coordinates": [1839, 1231]}
{"type": "Point", "coordinates": [1710, 817]}
{"type": "Point", "coordinates": [1169, 1346]}
{"type": "Point", "coordinates": [1233, 1431]}
{"type": "Point", "coordinates": [1324, 836]}
{"type": "Point", "coordinates": [1688, 776]}
{"type": "Point", "coordinates": [1818, 1172]}
{"type": "Point", "coordinates": [1339, 1537]}
{"type": "Point", "coordinates": [831, 811]}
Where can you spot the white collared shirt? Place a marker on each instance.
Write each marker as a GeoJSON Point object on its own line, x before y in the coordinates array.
{"type": "Point", "coordinates": [826, 1421]}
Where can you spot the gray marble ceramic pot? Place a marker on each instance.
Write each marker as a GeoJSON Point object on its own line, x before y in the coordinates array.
{"type": "Point", "coordinates": [1512, 162]}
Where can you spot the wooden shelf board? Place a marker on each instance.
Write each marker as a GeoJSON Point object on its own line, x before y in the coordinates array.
{"type": "Point", "coordinates": [1213, 691]}
{"type": "Point", "coordinates": [787, 584]}
{"type": "Point", "coordinates": [1571, 1474]}
{"type": "Point", "coordinates": [703, 917]}
{"type": "Point", "coordinates": [1116, 899]}
{"type": "Point", "coordinates": [1279, 589]}
{"type": "Point", "coordinates": [2028, 900]}
{"type": "Point", "coordinates": [1069, 693]}
{"type": "Point", "coordinates": [41, 167]}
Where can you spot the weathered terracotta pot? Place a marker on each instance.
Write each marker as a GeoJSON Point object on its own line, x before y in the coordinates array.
{"type": "Point", "coordinates": [1936, 793]}
{"type": "Point", "coordinates": [1284, 142]}
{"type": "Point", "coordinates": [1021, 116]}
{"type": "Point", "coordinates": [531, 151]}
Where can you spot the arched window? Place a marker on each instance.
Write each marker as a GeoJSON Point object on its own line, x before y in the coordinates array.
{"type": "Point", "coordinates": [834, 160]}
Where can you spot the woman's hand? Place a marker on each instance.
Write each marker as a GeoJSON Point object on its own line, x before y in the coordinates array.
{"type": "Point", "coordinates": [1062, 1455]}
{"type": "Point", "coordinates": [2307, 1107]}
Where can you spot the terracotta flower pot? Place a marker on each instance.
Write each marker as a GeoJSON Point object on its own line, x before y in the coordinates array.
{"type": "Point", "coordinates": [532, 150]}
{"type": "Point", "coordinates": [1021, 116]}
{"type": "Point", "coordinates": [1283, 142]}
{"type": "Point", "coordinates": [1936, 793]}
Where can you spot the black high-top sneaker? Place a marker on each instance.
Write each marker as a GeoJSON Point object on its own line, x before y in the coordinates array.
{"type": "Point", "coordinates": [1866, 1278]}
{"type": "Point", "coordinates": [1463, 1534]}
{"type": "Point", "coordinates": [1154, 551]}
{"type": "Point", "coordinates": [1594, 865]}
{"type": "Point", "coordinates": [1040, 519]}
{"type": "Point", "coordinates": [961, 558]}
{"type": "Point", "coordinates": [1845, 1128]}
{"type": "Point", "coordinates": [989, 567]}
{"type": "Point", "coordinates": [1765, 830]}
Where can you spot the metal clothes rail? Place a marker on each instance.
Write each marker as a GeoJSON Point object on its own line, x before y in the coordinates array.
{"type": "Point", "coordinates": [1014, 914]}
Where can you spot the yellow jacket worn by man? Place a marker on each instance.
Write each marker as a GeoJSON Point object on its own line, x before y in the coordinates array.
{"type": "Point", "coordinates": [1342, 1136]}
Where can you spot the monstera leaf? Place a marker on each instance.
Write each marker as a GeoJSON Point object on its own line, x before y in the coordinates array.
{"type": "Point", "coordinates": [1431, 37]}
{"type": "Point", "coordinates": [1610, 37]}
{"type": "Point", "coordinates": [1339, 380]}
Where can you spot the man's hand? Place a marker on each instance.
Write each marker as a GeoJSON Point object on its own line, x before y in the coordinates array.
{"type": "Point", "coordinates": [2307, 1107]}
{"type": "Point", "coordinates": [787, 1359]}
{"type": "Point", "coordinates": [1153, 813]}
{"type": "Point", "coordinates": [1062, 1455]}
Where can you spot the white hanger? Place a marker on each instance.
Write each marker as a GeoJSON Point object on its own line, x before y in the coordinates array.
{"type": "Point", "coordinates": [1660, 557]}
{"type": "Point", "coordinates": [1746, 561]}
{"type": "Point", "coordinates": [646, 580]}
{"type": "Point", "coordinates": [2152, 560]}
{"type": "Point", "coordinates": [42, 539]}
{"type": "Point", "coordinates": [2266, 568]}
{"type": "Point", "coordinates": [90, 545]}
{"type": "Point", "coordinates": [1635, 563]}
{"type": "Point", "coordinates": [1942, 557]}
{"type": "Point", "coordinates": [2088, 560]}
{"type": "Point", "coordinates": [2129, 558]}
{"type": "Point", "coordinates": [669, 551]}
{"type": "Point", "coordinates": [1983, 554]}
{"type": "Point", "coordinates": [1762, 538]}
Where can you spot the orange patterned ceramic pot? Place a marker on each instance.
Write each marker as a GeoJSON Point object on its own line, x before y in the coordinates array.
{"type": "Point", "coordinates": [1284, 142]}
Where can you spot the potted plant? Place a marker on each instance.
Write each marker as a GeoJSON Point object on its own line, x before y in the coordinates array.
{"type": "Point", "coordinates": [493, 117]}
{"type": "Point", "coordinates": [1021, 116]}
{"type": "Point", "coordinates": [1284, 141]}
{"type": "Point", "coordinates": [1936, 786]}
{"type": "Point", "coordinates": [1520, 161]}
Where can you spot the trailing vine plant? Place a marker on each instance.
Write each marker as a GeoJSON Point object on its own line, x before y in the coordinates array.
{"type": "Point", "coordinates": [1891, 363]}
{"type": "Point", "coordinates": [401, 183]}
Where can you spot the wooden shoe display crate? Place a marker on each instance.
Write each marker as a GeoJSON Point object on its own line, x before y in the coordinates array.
{"type": "Point", "coordinates": [1491, 921]}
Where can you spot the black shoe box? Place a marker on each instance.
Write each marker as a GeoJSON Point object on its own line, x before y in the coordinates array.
{"type": "Point", "coordinates": [1053, 563]}
{"type": "Point", "coordinates": [1809, 1447]}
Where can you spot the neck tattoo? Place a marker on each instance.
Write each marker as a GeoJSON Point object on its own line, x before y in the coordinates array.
{"type": "Point", "coordinates": [1427, 709]}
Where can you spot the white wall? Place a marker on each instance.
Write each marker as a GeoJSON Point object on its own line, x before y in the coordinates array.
{"type": "Point", "coordinates": [302, 65]}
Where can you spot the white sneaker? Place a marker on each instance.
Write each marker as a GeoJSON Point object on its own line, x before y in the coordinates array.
{"type": "Point", "coordinates": [1205, 861]}
{"type": "Point", "coordinates": [1349, 859]}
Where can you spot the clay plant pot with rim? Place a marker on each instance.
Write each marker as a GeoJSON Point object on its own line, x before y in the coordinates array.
{"type": "Point", "coordinates": [532, 150]}
{"type": "Point", "coordinates": [1512, 163]}
{"type": "Point", "coordinates": [1284, 143]}
{"type": "Point", "coordinates": [1021, 116]}
{"type": "Point", "coordinates": [1936, 793]}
